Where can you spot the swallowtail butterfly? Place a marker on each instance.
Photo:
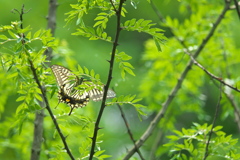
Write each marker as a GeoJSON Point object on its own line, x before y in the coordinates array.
{"type": "Point", "coordinates": [67, 81]}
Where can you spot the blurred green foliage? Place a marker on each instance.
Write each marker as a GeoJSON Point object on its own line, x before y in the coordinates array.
{"type": "Point", "coordinates": [155, 74]}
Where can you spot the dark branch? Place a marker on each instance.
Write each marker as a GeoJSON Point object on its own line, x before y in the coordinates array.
{"type": "Point", "coordinates": [237, 8]}
{"type": "Point", "coordinates": [129, 131]}
{"type": "Point", "coordinates": [44, 96]}
{"type": "Point", "coordinates": [49, 109]}
{"type": "Point", "coordinates": [115, 44]}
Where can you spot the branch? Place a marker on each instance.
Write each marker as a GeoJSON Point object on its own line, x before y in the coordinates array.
{"type": "Point", "coordinates": [129, 131]}
{"type": "Point", "coordinates": [236, 3]}
{"type": "Point", "coordinates": [51, 19]}
{"type": "Point", "coordinates": [210, 74]}
{"type": "Point", "coordinates": [213, 123]}
{"type": "Point", "coordinates": [49, 109]}
{"type": "Point", "coordinates": [38, 133]}
{"type": "Point", "coordinates": [174, 91]}
{"type": "Point", "coordinates": [38, 122]}
{"type": "Point", "coordinates": [115, 44]}
{"type": "Point", "coordinates": [44, 96]}
{"type": "Point", "coordinates": [233, 7]}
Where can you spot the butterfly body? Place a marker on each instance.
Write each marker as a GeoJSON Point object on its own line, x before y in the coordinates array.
{"type": "Point", "coordinates": [67, 82]}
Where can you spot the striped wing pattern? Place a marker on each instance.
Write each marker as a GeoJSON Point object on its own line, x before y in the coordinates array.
{"type": "Point", "coordinates": [74, 98]}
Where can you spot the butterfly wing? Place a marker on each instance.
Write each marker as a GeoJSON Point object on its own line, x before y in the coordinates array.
{"type": "Point", "coordinates": [95, 92]}
{"type": "Point", "coordinates": [64, 76]}
{"type": "Point", "coordinates": [97, 95]}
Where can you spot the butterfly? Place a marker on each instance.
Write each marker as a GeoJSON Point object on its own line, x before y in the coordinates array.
{"type": "Point", "coordinates": [67, 81]}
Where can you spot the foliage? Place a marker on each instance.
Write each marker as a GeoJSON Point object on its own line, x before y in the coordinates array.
{"type": "Point", "coordinates": [17, 65]}
{"type": "Point", "coordinates": [23, 55]}
{"type": "Point", "coordinates": [191, 143]}
{"type": "Point", "coordinates": [142, 25]}
{"type": "Point", "coordinates": [197, 88]}
{"type": "Point", "coordinates": [124, 66]}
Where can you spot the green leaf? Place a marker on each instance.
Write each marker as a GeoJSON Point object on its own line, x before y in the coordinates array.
{"type": "Point", "coordinates": [124, 56]}
{"type": "Point", "coordinates": [13, 35]}
{"type": "Point", "coordinates": [99, 18]}
{"type": "Point", "coordinates": [157, 43]}
{"type": "Point", "coordinates": [136, 100]}
{"type": "Point", "coordinates": [99, 153]}
{"type": "Point", "coordinates": [97, 76]}
{"type": "Point", "coordinates": [127, 64]}
{"type": "Point", "coordinates": [92, 73]}
{"type": "Point", "coordinates": [38, 97]}
{"type": "Point", "coordinates": [129, 71]}
{"type": "Point", "coordinates": [21, 91]}
{"type": "Point", "coordinates": [178, 133]}
{"type": "Point", "coordinates": [28, 37]}
{"type": "Point", "coordinates": [3, 37]}
{"type": "Point", "coordinates": [173, 137]}
{"type": "Point", "coordinates": [36, 34]}
{"type": "Point", "coordinates": [21, 98]}
{"type": "Point", "coordinates": [123, 74]}
{"type": "Point", "coordinates": [104, 156]}
{"type": "Point", "coordinates": [86, 70]}
{"type": "Point", "coordinates": [97, 23]}
{"type": "Point", "coordinates": [132, 22]}
{"type": "Point", "coordinates": [217, 128]}
{"type": "Point", "coordinates": [12, 75]}
{"type": "Point", "coordinates": [80, 69]}
{"type": "Point", "coordinates": [104, 35]}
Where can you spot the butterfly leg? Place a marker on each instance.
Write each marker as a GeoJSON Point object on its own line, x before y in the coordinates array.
{"type": "Point", "coordinates": [71, 111]}
{"type": "Point", "coordinates": [57, 104]}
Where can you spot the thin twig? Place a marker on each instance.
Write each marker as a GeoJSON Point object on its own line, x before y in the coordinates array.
{"type": "Point", "coordinates": [213, 123]}
{"type": "Point", "coordinates": [174, 91]}
{"type": "Point", "coordinates": [114, 8]}
{"type": "Point", "coordinates": [115, 44]}
{"type": "Point", "coordinates": [129, 131]}
{"type": "Point", "coordinates": [210, 74]}
{"type": "Point", "coordinates": [157, 12]}
{"type": "Point", "coordinates": [45, 100]}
